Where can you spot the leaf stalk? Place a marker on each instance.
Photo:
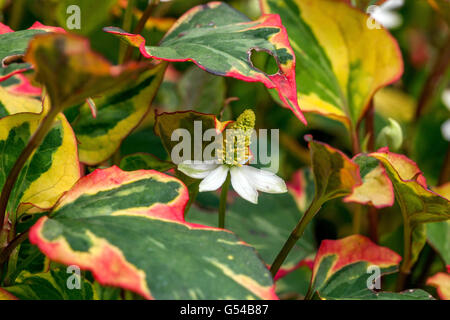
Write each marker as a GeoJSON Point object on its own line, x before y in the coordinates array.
{"type": "Point", "coordinates": [296, 234]}
{"type": "Point", "coordinates": [34, 142]}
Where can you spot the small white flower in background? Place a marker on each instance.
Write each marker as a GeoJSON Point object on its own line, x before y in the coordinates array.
{"type": "Point", "coordinates": [445, 128]}
{"type": "Point", "coordinates": [385, 15]}
{"type": "Point", "coordinates": [245, 179]}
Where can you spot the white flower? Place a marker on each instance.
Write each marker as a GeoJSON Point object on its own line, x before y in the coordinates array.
{"type": "Point", "coordinates": [445, 129]}
{"type": "Point", "coordinates": [246, 180]}
{"type": "Point", "coordinates": [385, 15]}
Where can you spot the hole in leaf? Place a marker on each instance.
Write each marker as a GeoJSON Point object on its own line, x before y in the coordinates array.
{"type": "Point", "coordinates": [25, 218]}
{"type": "Point", "coordinates": [263, 61]}
{"type": "Point", "coordinates": [17, 58]}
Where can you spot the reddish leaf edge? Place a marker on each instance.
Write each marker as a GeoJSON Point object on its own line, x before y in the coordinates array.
{"type": "Point", "coordinates": [111, 260]}
{"type": "Point", "coordinates": [352, 249]}
{"type": "Point", "coordinates": [36, 26]}
{"type": "Point", "coordinates": [285, 84]}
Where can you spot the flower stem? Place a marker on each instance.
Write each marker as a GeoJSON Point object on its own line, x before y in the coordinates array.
{"type": "Point", "coordinates": [35, 141]}
{"type": "Point", "coordinates": [223, 202]}
{"type": "Point", "coordinates": [295, 235]}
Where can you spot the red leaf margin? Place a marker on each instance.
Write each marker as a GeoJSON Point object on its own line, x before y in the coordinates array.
{"type": "Point", "coordinates": [441, 281]}
{"type": "Point", "coordinates": [353, 249]}
{"type": "Point", "coordinates": [36, 26]}
{"type": "Point", "coordinates": [284, 81]}
{"type": "Point", "coordinates": [106, 262]}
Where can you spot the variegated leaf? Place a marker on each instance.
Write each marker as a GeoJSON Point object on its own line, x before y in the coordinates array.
{"type": "Point", "coordinates": [335, 175]}
{"type": "Point", "coordinates": [341, 61]}
{"type": "Point", "coordinates": [13, 46]}
{"type": "Point", "coordinates": [342, 270]}
{"type": "Point", "coordinates": [128, 228]}
{"type": "Point", "coordinates": [265, 226]}
{"type": "Point", "coordinates": [221, 40]}
{"type": "Point", "coordinates": [417, 203]}
{"type": "Point", "coordinates": [19, 84]}
{"type": "Point", "coordinates": [118, 112]}
{"type": "Point", "coordinates": [50, 171]}
{"type": "Point", "coordinates": [85, 74]}
{"type": "Point", "coordinates": [51, 285]}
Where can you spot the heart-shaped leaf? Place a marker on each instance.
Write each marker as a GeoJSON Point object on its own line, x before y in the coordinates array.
{"type": "Point", "coordinates": [128, 229]}
{"type": "Point", "coordinates": [118, 112]}
{"type": "Point", "coordinates": [71, 72]}
{"type": "Point", "coordinates": [50, 171]}
{"type": "Point", "coordinates": [341, 62]}
{"type": "Point", "coordinates": [13, 46]}
{"type": "Point", "coordinates": [417, 203]}
{"type": "Point", "coordinates": [221, 40]}
{"type": "Point", "coordinates": [344, 268]}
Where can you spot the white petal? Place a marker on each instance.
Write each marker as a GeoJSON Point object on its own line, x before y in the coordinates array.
{"type": "Point", "coordinates": [445, 129]}
{"type": "Point", "coordinates": [242, 186]}
{"type": "Point", "coordinates": [197, 170]}
{"type": "Point", "coordinates": [388, 19]}
{"type": "Point", "coordinates": [214, 180]}
{"type": "Point", "coordinates": [264, 180]}
{"type": "Point", "coordinates": [392, 4]}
